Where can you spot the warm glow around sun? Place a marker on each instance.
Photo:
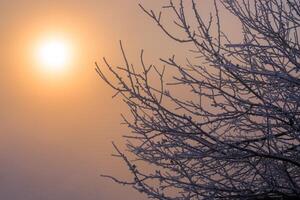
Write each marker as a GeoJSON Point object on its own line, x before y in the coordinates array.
{"type": "Point", "coordinates": [53, 55]}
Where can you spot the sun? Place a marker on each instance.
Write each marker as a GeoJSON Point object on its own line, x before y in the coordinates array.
{"type": "Point", "coordinates": [53, 55]}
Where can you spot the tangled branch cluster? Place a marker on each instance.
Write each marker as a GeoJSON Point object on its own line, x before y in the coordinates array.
{"type": "Point", "coordinates": [237, 133]}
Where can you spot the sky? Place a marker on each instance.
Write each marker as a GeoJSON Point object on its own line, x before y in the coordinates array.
{"type": "Point", "coordinates": [56, 129]}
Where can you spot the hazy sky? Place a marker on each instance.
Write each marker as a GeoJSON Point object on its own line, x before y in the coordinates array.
{"type": "Point", "coordinates": [56, 131]}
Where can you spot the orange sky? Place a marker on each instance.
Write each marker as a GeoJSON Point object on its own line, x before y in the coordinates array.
{"type": "Point", "coordinates": [56, 132]}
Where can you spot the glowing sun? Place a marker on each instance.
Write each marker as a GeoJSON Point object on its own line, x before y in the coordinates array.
{"type": "Point", "coordinates": [53, 55]}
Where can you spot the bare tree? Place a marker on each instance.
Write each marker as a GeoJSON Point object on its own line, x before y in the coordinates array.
{"type": "Point", "coordinates": [236, 134]}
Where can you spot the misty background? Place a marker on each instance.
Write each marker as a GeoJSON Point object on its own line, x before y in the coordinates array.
{"type": "Point", "coordinates": [55, 136]}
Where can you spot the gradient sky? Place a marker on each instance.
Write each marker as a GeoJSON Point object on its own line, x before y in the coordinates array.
{"type": "Point", "coordinates": [56, 132]}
